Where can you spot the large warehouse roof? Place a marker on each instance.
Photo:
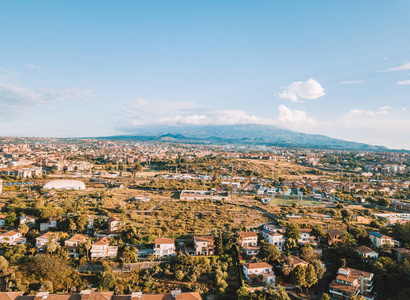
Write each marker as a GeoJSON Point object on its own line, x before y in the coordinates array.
{"type": "Point", "coordinates": [65, 185]}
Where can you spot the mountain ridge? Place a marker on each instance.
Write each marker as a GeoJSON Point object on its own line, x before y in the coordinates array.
{"type": "Point", "coordinates": [255, 134]}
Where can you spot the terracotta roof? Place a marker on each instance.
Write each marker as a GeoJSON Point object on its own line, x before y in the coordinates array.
{"type": "Point", "coordinates": [364, 249]}
{"type": "Point", "coordinates": [111, 219]}
{"type": "Point", "coordinates": [10, 233]}
{"type": "Point", "coordinates": [102, 241]}
{"type": "Point", "coordinates": [343, 287]}
{"type": "Point", "coordinates": [10, 295]}
{"type": "Point", "coordinates": [48, 234]}
{"type": "Point", "coordinates": [164, 241]}
{"type": "Point", "coordinates": [207, 238]}
{"type": "Point", "coordinates": [77, 238]}
{"type": "Point", "coordinates": [64, 297]}
{"type": "Point", "coordinates": [346, 278]}
{"type": "Point", "coordinates": [305, 230]}
{"type": "Point", "coordinates": [183, 296]}
{"type": "Point", "coordinates": [357, 273]}
{"type": "Point", "coordinates": [247, 234]}
{"type": "Point", "coordinates": [101, 295]}
{"type": "Point", "coordinates": [28, 297]}
{"type": "Point", "coordinates": [258, 265]}
{"type": "Point", "coordinates": [296, 260]}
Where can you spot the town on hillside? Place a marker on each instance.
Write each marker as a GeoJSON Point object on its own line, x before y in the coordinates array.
{"type": "Point", "coordinates": [128, 220]}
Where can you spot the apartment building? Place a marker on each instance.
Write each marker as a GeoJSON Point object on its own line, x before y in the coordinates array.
{"type": "Point", "coordinates": [352, 282]}
{"type": "Point", "coordinates": [101, 249]}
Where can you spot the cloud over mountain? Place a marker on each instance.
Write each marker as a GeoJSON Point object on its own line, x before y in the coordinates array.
{"type": "Point", "coordinates": [310, 89]}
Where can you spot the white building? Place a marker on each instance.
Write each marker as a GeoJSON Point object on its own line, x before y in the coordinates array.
{"type": "Point", "coordinates": [254, 270]}
{"type": "Point", "coordinates": [90, 222]}
{"type": "Point", "coordinates": [65, 184]}
{"type": "Point", "coordinates": [102, 249]}
{"type": "Point", "coordinates": [204, 245]}
{"type": "Point", "coordinates": [2, 220]}
{"type": "Point", "coordinates": [367, 252]}
{"type": "Point", "coordinates": [52, 223]}
{"type": "Point", "coordinates": [306, 236]}
{"type": "Point", "coordinates": [73, 243]}
{"type": "Point", "coordinates": [274, 238]}
{"type": "Point", "coordinates": [28, 220]}
{"type": "Point", "coordinates": [12, 237]}
{"type": "Point", "coordinates": [164, 247]}
{"type": "Point", "coordinates": [247, 238]}
{"type": "Point", "coordinates": [47, 237]}
{"type": "Point", "coordinates": [114, 224]}
{"type": "Point", "coordinates": [380, 240]}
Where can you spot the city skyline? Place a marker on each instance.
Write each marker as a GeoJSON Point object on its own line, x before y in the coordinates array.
{"type": "Point", "coordinates": [105, 68]}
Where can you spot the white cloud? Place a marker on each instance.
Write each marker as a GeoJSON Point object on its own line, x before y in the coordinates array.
{"type": "Point", "coordinates": [15, 98]}
{"type": "Point", "coordinates": [292, 118]}
{"type": "Point", "coordinates": [384, 110]}
{"type": "Point", "coordinates": [402, 67]}
{"type": "Point", "coordinates": [142, 112]}
{"type": "Point", "coordinates": [216, 117]}
{"type": "Point", "coordinates": [350, 82]}
{"type": "Point", "coordinates": [310, 89]}
{"type": "Point", "coordinates": [405, 82]}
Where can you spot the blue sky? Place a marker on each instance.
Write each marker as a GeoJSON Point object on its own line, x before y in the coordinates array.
{"type": "Point", "coordinates": [90, 68]}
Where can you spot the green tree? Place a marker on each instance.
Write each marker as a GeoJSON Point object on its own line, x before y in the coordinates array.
{"type": "Point", "coordinates": [307, 254]}
{"type": "Point", "coordinates": [292, 231]}
{"type": "Point", "coordinates": [11, 218]}
{"type": "Point", "coordinates": [82, 222]}
{"type": "Point", "coordinates": [107, 281]}
{"type": "Point", "coordinates": [298, 276]}
{"type": "Point", "coordinates": [311, 278]}
{"type": "Point", "coordinates": [179, 275]}
{"type": "Point", "coordinates": [383, 202]}
{"type": "Point", "coordinates": [319, 268]}
{"type": "Point", "coordinates": [318, 232]}
{"type": "Point", "coordinates": [72, 226]}
{"type": "Point", "coordinates": [23, 229]}
{"type": "Point", "coordinates": [46, 286]}
{"type": "Point", "coordinates": [4, 264]}
{"type": "Point", "coordinates": [291, 244]}
{"type": "Point", "coordinates": [268, 252]}
{"type": "Point", "coordinates": [278, 294]}
{"type": "Point", "coordinates": [52, 268]}
{"type": "Point", "coordinates": [325, 297]}
{"type": "Point", "coordinates": [346, 213]}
